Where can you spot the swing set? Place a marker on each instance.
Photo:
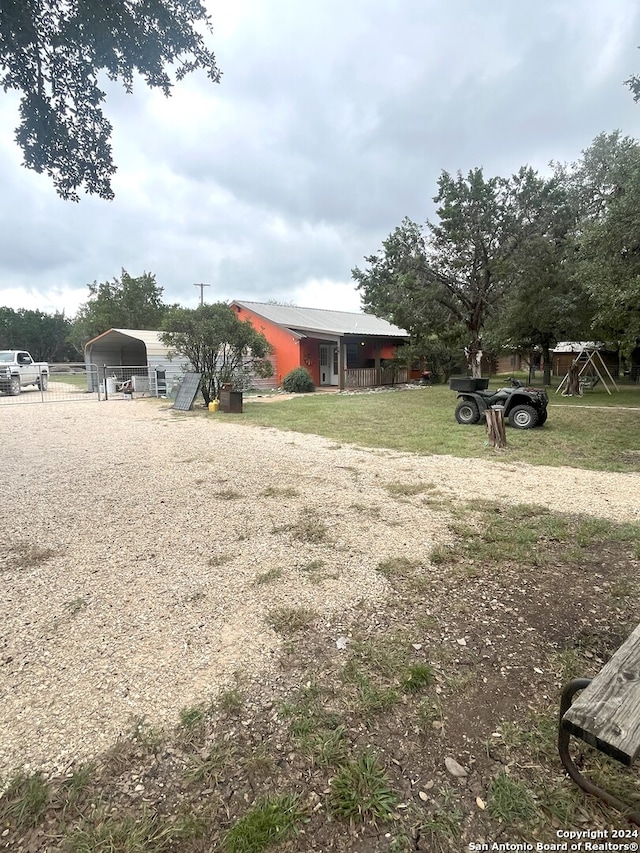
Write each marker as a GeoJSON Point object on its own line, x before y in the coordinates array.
{"type": "Point", "coordinates": [587, 358]}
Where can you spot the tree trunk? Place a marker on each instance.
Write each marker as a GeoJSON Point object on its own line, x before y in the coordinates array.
{"type": "Point", "coordinates": [474, 355]}
{"type": "Point", "coordinates": [573, 382]}
{"type": "Point", "coordinates": [495, 428]}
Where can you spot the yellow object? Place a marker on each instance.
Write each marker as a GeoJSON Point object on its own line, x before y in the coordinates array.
{"type": "Point", "coordinates": [214, 405]}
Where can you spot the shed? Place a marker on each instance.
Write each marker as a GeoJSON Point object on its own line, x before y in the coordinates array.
{"type": "Point", "coordinates": [135, 353]}
{"type": "Point", "coordinates": [566, 352]}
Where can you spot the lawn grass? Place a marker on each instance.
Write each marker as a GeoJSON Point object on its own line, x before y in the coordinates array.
{"type": "Point", "coordinates": [585, 432]}
{"type": "Point", "coordinates": [78, 380]}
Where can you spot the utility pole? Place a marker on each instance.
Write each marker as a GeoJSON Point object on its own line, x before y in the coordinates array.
{"type": "Point", "coordinates": [202, 287]}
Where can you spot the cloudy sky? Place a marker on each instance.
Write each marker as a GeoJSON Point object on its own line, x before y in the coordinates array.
{"type": "Point", "coordinates": [331, 123]}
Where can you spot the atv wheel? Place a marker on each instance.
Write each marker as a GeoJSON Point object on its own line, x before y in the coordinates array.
{"type": "Point", "coordinates": [523, 417]}
{"type": "Point", "coordinates": [467, 412]}
{"type": "Point", "coordinates": [542, 417]}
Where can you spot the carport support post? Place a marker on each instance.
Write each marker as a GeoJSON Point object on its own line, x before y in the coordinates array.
{"type": "Point", "coordinates": [342, 363]}
{"type": "Point", "coordinates": [104, 379]}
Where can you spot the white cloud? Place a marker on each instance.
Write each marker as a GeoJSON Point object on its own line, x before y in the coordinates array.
{"type": "Point", "coordinates": [324, 293]}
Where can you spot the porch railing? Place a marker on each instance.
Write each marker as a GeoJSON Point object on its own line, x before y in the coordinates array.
{"type": "Point", "coordinates": [369, 377]}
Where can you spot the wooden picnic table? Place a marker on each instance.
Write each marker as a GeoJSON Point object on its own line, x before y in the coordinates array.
{"type": "Point", "coordinates": [606, 715]}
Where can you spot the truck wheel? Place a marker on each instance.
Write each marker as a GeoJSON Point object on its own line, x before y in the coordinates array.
{"type": "Point", "coordinates": [523, 417]}
{"type": "Point", "coordinates": [14, 388]}
{"type": "Point", "coordinates": [467, 412]}
{"type": "Point", "coordinates": [43, 382]}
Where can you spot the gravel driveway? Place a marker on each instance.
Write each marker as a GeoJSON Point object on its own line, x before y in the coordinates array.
{"type": "Point", "coordinates": [144, 551]}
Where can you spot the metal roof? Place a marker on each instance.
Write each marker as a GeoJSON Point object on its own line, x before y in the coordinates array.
{"type": "Point", "coordinates": [151, 340]}
{"type": "Point", "coordinates": [321, 320]}
{"type": "Point", "coordinates": [576, 346]}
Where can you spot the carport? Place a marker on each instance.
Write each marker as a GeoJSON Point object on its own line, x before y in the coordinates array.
{"type": "Point", "coordinates": [136, 354]}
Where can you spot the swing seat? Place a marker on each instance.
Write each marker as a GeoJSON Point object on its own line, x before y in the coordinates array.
{"type": "Point", "coordinates": [587, 383]}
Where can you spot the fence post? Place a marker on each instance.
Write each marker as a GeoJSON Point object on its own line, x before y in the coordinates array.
{"type": "Point", "coordinates": [93, 377]}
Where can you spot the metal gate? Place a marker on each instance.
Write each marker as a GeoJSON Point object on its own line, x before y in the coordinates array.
{"type": "Point", "coordinates": [134, 380]}
{"type": "Point", "coordinates": [78, 382]}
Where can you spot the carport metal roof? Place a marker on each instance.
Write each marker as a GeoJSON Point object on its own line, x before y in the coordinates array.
{"type": "Point", "coordinates": [151, 340]}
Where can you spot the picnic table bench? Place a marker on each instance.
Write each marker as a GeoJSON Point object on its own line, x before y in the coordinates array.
{"type": "Point", "coordinates": [606, 715]}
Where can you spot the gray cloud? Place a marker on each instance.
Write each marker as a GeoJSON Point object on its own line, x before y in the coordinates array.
{"type": "Point", "coordinates": [332, 122]}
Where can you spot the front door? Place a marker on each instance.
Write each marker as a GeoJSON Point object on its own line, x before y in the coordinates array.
{"type": "Point", "coordinates": [328, 364]}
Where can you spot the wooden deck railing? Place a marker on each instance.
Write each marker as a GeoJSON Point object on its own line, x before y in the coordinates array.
{"type": "Point", "coordinates": [369, 377]}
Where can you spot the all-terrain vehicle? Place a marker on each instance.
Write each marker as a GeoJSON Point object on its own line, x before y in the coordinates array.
{"type": "Point", "coordinates": [524, 407]}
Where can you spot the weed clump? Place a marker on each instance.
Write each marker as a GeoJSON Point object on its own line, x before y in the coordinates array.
{"type": "Point", "coordinates": [270, 820]}
{"type": "Point", "coordinates": [25, 801]}
{"type": "Point", "coordinates": [361, 791]}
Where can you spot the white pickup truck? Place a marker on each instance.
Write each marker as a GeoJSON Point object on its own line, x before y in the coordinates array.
{"type": "Point", "coordinates": [18, 369]}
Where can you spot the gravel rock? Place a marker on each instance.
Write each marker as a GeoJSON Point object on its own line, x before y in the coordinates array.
{"type": "Point", "coordinates": [144, 550]}
{"type": "Point", "coordinates": [454, 768]}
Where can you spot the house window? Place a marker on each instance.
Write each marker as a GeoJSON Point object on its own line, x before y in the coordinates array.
{"type": "Point", "coordinates": [324, 357]}
{"type": "Point", "coordinates": [352, 355]}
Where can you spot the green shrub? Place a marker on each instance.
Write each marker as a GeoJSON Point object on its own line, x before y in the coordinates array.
{"type": "Point", "coordinates": [298, 381]}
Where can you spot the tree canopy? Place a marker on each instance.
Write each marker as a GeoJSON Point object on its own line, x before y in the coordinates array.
{"type": "Point", "coordinates": [606, 184]}
{"type": "Point", "coordinates": [524, 261]}
{"type": "Point", "coordinates": [45, 336]}
{"type": "Point", "coordinates": [541, 301]}
{"type": "Point", "coordinates": [124, 303]}
{"type": "Point", "coordinates": [452, 275]}
{"type": "Point", "coordinates": [54, 51]}
{"type": "Point", "coordinates": [469, 245]}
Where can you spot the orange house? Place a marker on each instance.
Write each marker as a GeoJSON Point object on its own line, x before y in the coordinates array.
{"type": "Point", "coordinates": [338, 348]}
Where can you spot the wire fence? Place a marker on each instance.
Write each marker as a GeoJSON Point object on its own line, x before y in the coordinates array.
{"type": "Point", "coordinates": [87, 382]}
{"type": "Point", "coordinates": [118, 381]}
{"type": "Point", "coordinates": [90, 382]}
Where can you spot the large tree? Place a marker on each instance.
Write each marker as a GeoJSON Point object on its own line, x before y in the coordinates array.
{"type": "Point", "coordinates": [606, 186]}
{"type": "Point", "coordinates": [218, 344]}
{"type": "Point", "coordinates": [470, 243]}
{"type": "Point", "coordinates": [542, 305]}
{"type": "Point", "coordinates": [498, 244]}
{"type": "Point", "coordinates": [448, 276]}
{"type": "Point", "coordinates": [542, 301]}
{"type": "Point", "coordinates": [400, 286]}
{"type": "Point", "coordinates": [54, 52]}
{"type": "Point", "coordinates": [125, 303]}
{"type": "Point", "coordinates": [45, 336]}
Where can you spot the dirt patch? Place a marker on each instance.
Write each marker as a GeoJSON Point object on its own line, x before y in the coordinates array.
{"type": "Point", "coordinates": [272, 398]}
